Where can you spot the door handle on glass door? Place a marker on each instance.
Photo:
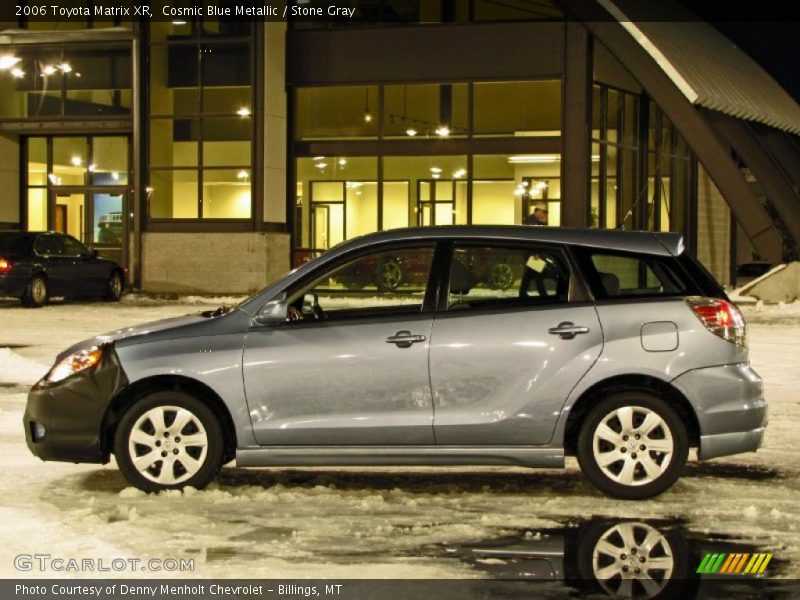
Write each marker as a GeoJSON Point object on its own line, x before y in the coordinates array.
{"type": "Point", "coordinates": [567, 330]}
{"type": "Point", "coordinates": [404, 339]}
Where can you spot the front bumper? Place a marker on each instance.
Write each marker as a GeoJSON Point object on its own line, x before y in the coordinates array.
{"type": "Point", "coordinates": [64, 421]}
{"type": "Point", "coordinates": [730, 407]}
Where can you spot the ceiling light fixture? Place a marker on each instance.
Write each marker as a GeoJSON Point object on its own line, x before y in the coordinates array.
{"type": "Point", "coordinates": [114, 175]}
{"type": "Point", "coordinates": [411, 132]}
{"type": "Point", "coordinates": [76, 161]}
{"type": "Point", "coordinates": [442, 131]}
{"type": "Point", "coordinates": [91, 168]}
{"type": "Point", "coordinates": [526, 159]}
{"type": "Point", "coordinates": [179, 23]}
{"type": "Point", "coordinates": [65, 67]}
{"type": "Point", "coordinates": [17, 72]}
{"type": "Point", "coordinates": [242, 174]}
{"type": "Point", "coordinates": [342, 162]}
{"type": "Point", "coordinates": [7, 61]}
{"type": "Point", "coordinates": [48, 70]}
{"type": "Point", "coordinates": [244, 112]}
{"type": "Point", "coordinates": [459, 173]}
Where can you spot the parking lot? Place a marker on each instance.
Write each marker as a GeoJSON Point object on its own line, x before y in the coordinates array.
{"type": "Point", "coordinates": [354, 523]}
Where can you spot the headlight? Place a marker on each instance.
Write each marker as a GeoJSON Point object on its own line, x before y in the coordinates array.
{"type": "Point", "coordinates": [75, 363]}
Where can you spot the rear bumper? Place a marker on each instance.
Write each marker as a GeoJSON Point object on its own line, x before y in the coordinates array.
{"type": "Point", "coordinates": [724, 444]}
{"type": "Point", "coordinates": [12, 286]}
{"type": "Point", "coordinates": [730, 408]}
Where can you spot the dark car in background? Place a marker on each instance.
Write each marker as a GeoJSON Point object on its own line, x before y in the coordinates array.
{"type": "Point", "coordinates": [35, 266]}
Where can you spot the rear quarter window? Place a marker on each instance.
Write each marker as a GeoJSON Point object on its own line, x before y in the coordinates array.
{"type": "Point", "coordinates": [627, 275]}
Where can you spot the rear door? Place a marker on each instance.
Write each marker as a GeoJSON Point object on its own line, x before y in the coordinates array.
{"type": "Point", "coordinates": [513, 337]}
{"type": "Point", "coordinates": [49, 250]}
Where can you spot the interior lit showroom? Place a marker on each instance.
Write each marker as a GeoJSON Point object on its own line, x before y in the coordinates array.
{"type": "Point", "coordinates": [159, 142]}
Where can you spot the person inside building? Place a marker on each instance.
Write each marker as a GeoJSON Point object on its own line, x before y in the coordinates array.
{"type": "Point", "coordinates": [538, 216]}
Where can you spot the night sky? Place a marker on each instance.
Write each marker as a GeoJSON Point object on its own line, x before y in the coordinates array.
{"type": "Point", "coordinates": [769, 32]}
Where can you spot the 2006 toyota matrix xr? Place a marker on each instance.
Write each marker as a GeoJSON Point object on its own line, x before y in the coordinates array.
{"type": "Point", "coordinates": [501, 346]}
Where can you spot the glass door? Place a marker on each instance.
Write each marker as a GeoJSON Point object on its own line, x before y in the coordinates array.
{"type": "Point", "coordinates": [70, 213]}
{"type": "Point", "coordinates": [107, 229]}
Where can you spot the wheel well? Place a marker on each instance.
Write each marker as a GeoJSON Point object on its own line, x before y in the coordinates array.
{"type": "Point", "coordinates": [627, 383]}
{"type": "Point", "coordinates": [134, 392]}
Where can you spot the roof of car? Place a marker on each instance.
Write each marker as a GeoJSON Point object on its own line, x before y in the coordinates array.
{"type": "Point", "coordinates": [660, 243]}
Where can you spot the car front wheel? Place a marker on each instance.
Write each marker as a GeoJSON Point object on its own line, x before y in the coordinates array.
{"type": "Point", "coordinates": [169, 440]}
{"type": "Point", "coordinates": [632, 445]}
{"type": "Point", "coordinates": [115, 287]}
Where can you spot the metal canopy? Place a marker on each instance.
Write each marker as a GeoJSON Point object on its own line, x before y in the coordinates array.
{"type": "Point", "coordinates": [708, 68]}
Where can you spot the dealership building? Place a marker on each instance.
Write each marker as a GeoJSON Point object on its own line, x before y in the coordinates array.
{"type": "Point", "coordinates": [209, 155]}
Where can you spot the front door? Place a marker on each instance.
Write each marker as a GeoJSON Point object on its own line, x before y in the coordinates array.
{"type": "Point", "coordinates": [350, 367]}
{"type": "Point", "coordinates": [510, 346]}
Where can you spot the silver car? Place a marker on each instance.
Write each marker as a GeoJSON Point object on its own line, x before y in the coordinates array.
{"type": "Point", "coordinates": [430, 346]}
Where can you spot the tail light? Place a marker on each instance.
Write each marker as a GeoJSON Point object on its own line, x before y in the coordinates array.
{"type": "Point", "coordinates": [721, 318]}
{"type": "Point", "coordinates": [5, 266]}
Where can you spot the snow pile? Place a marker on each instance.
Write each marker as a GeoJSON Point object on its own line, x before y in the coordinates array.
{"type": "Point", "coordinates": [17, 369]}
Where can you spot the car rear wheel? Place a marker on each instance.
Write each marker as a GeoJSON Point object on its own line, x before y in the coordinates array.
{"type": "Point", "coordinates": [632, 445]}
{"type": "Point", "coordinates": [37, 292]}
{"type": "Point", "coordinates": [114, 287]}
{"type": "Point", "coordinates": [169, 440]}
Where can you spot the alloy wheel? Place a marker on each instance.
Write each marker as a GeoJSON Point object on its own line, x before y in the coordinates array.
{"type": "Point", "coordinates": [168, 444]}
{"type": "Point", "coordinates": [633, 445]}
{"type": "Point", "coordinates": [38, 290]}
{"type": "Point", "coordinates": [633, 560]}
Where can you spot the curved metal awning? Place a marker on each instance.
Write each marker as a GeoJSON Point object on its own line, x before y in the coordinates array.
{"type": "Point", "coordinates": [708, 68]}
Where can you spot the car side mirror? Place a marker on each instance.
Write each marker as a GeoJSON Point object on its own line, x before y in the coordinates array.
{"type": "Point", "coordinates": [310, 304]}
{"type": "Point", "coordinates": [274, 311]}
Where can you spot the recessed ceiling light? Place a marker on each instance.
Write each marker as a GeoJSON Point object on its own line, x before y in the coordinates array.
{"type": "Point", "coordinates": [7, 61]}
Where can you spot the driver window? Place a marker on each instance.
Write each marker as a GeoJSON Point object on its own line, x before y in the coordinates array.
{"type": "Point", "coordinates": [390, 281]}
{"type": "Point", "coordinates": [73, 247]}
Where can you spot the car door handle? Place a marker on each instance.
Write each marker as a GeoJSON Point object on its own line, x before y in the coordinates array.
{"type": "Point", "coordinates": [404, 339]}
{"type": "Point", "coordinates": [567, 330]}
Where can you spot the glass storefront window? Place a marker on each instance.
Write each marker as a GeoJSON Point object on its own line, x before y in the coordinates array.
{"type": "Point", "coordinates": [37, 161]}
{"type": "Point", "coordinates": [174, 142]}
{"type": "Point", "coordinates": [109, 161]}
{"type": "Point", "coordinates": [90, 80]}
{"type": "Point", "coordinates": [226, 142]}
{"type": "Point", "coordinates": [435, 187]}
{"type": "Point", "coordinates": [173, 194]}
{"type": "Point", "coordinates": [70, 156]}
{"type": "Point", "coordinates": [517, 108]}
{"type": "Point", "coordinates": [337, 199]}
{"type": "Point", "coordinates": [517, 189]}
{"type": "Point", "coordinates": [37, 209]}
{"type": "Point", "coordinates": [428, 110]}
{"type": "Point", "coordinates": [337, 112]}
{"type": "Point", "coordinates": [202, 72]}
{"type": "Point", "coordinates": [226, 194]}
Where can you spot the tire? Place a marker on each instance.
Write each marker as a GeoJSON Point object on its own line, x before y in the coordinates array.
{"type": "Point", "coordinates": [611, 456]}
{"type": "Point", "coordinates": [610, 552]}
{"type": "Point", "coordinates": [37, 293]}
{"type": "Point", "coordinates": [115, 287]}
{"type": "Point", "coordinates": [140, 435]}
{"type": "Point", "coordinates": [390, 275]}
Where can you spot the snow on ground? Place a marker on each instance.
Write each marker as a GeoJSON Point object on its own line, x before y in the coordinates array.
{"type": "Point", "coordinates": [328, 522]}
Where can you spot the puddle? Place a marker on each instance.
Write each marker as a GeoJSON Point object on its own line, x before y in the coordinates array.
{"type": "Point", "coordinates": [617, 557]}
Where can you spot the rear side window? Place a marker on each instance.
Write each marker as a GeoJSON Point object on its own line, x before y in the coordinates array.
{"type": "Point", "coordinates": [615, 275]}
{"type": "Point", "coordinates": [497, 276]}
{"type": "Point", "coordinates": [48, 245]}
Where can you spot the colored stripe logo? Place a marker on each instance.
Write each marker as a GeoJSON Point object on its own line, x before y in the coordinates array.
{"type": "Point", "coordinates": [721, 563]}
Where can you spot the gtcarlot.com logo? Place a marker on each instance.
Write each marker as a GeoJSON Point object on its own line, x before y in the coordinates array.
{"type": "Point", "coordinates": [59, 564]}
{"type": "Point", "coordinates": [734, 564]}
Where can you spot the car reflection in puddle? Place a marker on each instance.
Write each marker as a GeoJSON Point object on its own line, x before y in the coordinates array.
{"type": "Point", "coordinates": [614, 557]}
